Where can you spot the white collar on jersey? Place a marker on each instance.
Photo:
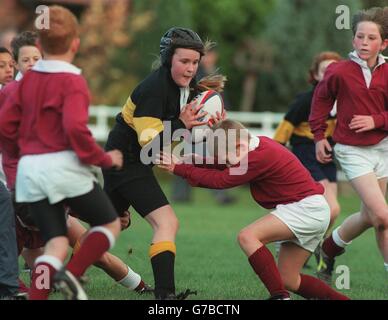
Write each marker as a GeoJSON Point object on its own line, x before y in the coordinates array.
{"type": "Point", "coordinates": [364, 66]}
{"type": "Point", "coordinates": [55, 66]}
{"type": "Point", "coordinates": [356, 58]}
{"type": "Point", "coordinates": [253, 143]}
{"type": "Point", "coordinates": [19, 76]}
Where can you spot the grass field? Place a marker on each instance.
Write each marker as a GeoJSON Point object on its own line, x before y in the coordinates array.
{"type": "Point", "coordinates": [210, 261]}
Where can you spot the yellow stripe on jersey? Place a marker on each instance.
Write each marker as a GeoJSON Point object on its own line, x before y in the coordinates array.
{"type": "Point", "coordinates": [304, 130]}
{"type": "Point", "coordinates": [147, 128]}
{"type": "Point", "coordinates": [284, 132]}
{"type": "Point", "coordinates": [127, 112]}
{"type": "Point", "coordinates": [162, 246]}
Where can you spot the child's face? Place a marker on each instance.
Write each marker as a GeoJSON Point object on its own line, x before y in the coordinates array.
{"type": "Point", "coordinates": [322, 69]}
{"type": "Point", "coordinates": [184, 66]}
{"type": "Point", "coordinates": [28, 56]}
{"type": "Point", "coordinates": [6, 68]}
{"type": "Point", "coordinates": [368, 42]}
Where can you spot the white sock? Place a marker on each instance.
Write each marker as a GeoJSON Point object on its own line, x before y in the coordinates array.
{"type": "Point", "coordinates": [337, 239]}
{"type": "Point", "coordinates": [51, 260]}
{"type": "Point", "coordinates": [131, 280]}
{"type": "Point", "coordinates": [386, 266]}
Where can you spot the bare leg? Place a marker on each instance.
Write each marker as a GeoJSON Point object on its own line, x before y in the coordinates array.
{"type": "Point", "coordinates": [162, 251]}
{"type": "Point", "coordinates": [372, 193]}
{"type": "Point", "coordinates": [331, 198]}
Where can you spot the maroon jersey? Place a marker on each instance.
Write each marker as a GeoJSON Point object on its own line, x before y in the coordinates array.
{"type": "Point", "coordinates": [49, 113]}
{"type": "Point", "coordinates": [275, 176]}
{"type": "Point", "coordinates": [345, 82]}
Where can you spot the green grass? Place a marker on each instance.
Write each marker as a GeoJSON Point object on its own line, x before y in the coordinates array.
{"type": "Point", "coordinates": [210, 261]}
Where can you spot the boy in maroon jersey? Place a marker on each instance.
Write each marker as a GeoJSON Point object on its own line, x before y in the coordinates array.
{"type": "Point", "coordinates": [45, 122]}
{"type": "Point", "coordinates": [30, 242]}
{"type": "Point", "coordinates": [360, 86]}
{"type": "Point", "coordinates": [278, 181]}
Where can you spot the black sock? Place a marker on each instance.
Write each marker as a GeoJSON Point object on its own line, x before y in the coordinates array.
{"type": "Point", "coordinates": [163, 268]}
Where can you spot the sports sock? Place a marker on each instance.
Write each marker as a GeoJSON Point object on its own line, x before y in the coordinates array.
{"type": "Point", "coordinates": [131, 281]}
{"type": "Point", "coordinates": [162, 256]}
{"type": "Point", "coordinates": [41, 280]}
{"type": "Point", "coordinates": [313, 288]}
{"type": "Point", "coordinates": [334, 246]}
{"type": "Point", "coordinates": [263, 263]}
{"type": "Point", "coordinates": [98, 241]}
{"type": "Point", "coordinates": [338, 240]}
{"type": "Point", "coordinates": [140, 287]}
{"type": "Point", "coordinates": [386, 266]}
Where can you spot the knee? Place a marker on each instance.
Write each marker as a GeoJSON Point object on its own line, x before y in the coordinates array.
{"type": "Point", "coordinates": [172, 224]}
{"type": "Point", "coordinates": [175, 224]}
{"type": "Point", "coordinates": [291, 281]}
{"type": "Point", "coordinates": [114, 227]}
{"type": "Point", "coordinates": [380, 221]}
{"type": "Point", "coordinates": [169, 224]}
{"type": "Point", "coordinates": [245, 237]}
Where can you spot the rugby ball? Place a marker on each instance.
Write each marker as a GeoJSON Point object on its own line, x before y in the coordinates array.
{"type": "Point", "coordinates": [212, 103]}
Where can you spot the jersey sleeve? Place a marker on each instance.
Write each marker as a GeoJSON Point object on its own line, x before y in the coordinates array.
{"type": "Point", "coordinates": [147, 115]}
{"type": "Point", "coordinates": [10, 117]}
{"type": "Point", "coordinates": [218, 179]}
{"type": "Point", "coordinates": [323, 100]}
{"type": "Point", "coordinates": [74, 120]}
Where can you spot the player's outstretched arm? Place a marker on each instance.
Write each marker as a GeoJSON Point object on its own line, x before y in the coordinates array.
{"type": "Point", "coordinates": [117, 158]}
{"type": "Point", "coordinates": [167, 161]}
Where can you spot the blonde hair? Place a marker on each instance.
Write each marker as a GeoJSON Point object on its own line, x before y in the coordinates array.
{"type": "Point", "coordinates": [221, 139]}
{"type": "Point", "coordinates": [63, 29]}
{"type": "Point", "coordinates": [214, 81]}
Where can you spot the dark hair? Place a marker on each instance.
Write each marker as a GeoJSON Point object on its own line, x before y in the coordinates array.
{"type": "Point", "coordinates": [179, 38]}
{"type": "Point", "coordinates": [325, 55]}
{"type": "Point", "coordinates": [376, 15]}
{"type": "Point", "coordinates": [5, 50]}
{"type": "Point", "coordinates": [26, 38]}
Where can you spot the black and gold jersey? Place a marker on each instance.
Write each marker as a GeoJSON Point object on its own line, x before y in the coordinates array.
{"type": "Point", "coordinates": [295, 127]}
{"type": "Point", "coordinates": [154, 103]}
{"type": "Point", "coordinates": [154, 100]}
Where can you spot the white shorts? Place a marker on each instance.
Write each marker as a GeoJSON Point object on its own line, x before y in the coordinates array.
{"type": "Point", "coordinates": [54, 176]}
{"type": "Point", "coordinates": [308, 219]}
{"type": "Point", "coordinates": [359, 161]}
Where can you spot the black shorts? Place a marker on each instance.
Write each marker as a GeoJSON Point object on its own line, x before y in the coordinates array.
{"type": "Point", "coordinates": [135, 184]}
{"type": "Point", "coordinates": [26, 238]}
{"type": "Point", "coordinates": [143, 194]}
{"type": "Point", "coordinates": [319, 171]}
{"type": "Point", "coordinates": [93, 207]}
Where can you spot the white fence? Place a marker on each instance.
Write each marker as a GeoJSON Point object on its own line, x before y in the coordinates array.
{"type": "Point", "coordinates": [259, 123]}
